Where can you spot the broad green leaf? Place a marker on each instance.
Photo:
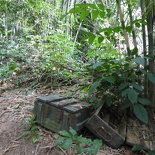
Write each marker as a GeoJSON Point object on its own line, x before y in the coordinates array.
{"type": "Point", "coordinates": [93, 6]}
{"type": "Point", "coordinates": [83, 140]}
{"type": "Point", "coordinates": [140, 113]}
{"type": "Point", "coordinates": [64, 133]}
{"type": "Point", "coordinates": [67, 143]}
{"type": "Point", "coordinates": [80, 149]}
{"type": "Point", "coordinates": [138, 25]}
{"type": "Point", "coordinates": [34, 127]}
{"type": "Point", "coordinates": [100, 39]}
{"type": "Point", "coordinates": [97, 64]}
{"type": "Point", "coordinates": [94, 86]}
{"type": "Point", "coordinates": [96, 146]}
{"type": "Point", "coordinates": [129, 29]}
{"type": "Point", "coordinates": [117, 29]}
{"type": "Point", "coordinates": [75, 10]}
{"type": "Point", "coordinates": [72, 131]}
{"type": "Point", "coordinates": [101, 6]}
{"type": "Point", "coordinates": [125, 92]}
{"type": "Point", "coordinates": [84, 14]}
{"type": "Point", "coordinates": [151, 77]}
{"type": "Point", "coordinates": [95, 14]}
{"type": "Point", "coordinates": [85, 38]}
{"type": "Point", "coordinates": [139, 60]}
{"type": "Point", "coordinates": [91, 39]}
{"type": "Point", "coordinates": [144, 22]}
{"type": "Point", "coordinates": [144, 101]}
{"type": "Point", "coordinates": [134, 51]}
{"type": "Point", "coordinates": [59, 140]}
{"type": "Point", "coordinates": [110, 79]}
{"type": "Point", "coordinates": [102, 14]}
{"type": "Point", "coordinates": [123, 86]}
{"type": "Point", "coordinates": [137, 86]}
{"type": "Point", "coordinates": [132, 95]}
{"type": "Point", "coordinates": [125, 105]}
{"type": "Point", "coordinates": [26, 132]}
{"type": "Point", "coordinates": [138, 147]}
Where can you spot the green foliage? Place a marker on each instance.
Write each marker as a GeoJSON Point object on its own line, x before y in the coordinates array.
{"type": "Point", "coordinates": [83, 145]}
{"type": "Point", "coordinates": [116, 84]}
{"type": "Point", "coordinates": [138, 147]}
{"type": "Point", "coordinates": [140, 113]}
{"type": "Point", "coordinates": [118, 80]}
{"type": "Point", "coordinates": [31, 129]}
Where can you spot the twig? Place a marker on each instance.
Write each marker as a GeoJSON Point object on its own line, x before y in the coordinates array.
{"type": "Point", "coordinates": [63, 151]}
{"type": "Point", "coordinates": [4, 112]}
{"type": "Point", "coordinates": [18, 138]}
{"type": "Point", "coordinates": [10, 147]}
{"type": "Point", "coordinates": [36, 151]}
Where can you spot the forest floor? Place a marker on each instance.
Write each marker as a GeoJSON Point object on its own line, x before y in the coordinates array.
{"type": "Point", "coordinates": [15, 106]}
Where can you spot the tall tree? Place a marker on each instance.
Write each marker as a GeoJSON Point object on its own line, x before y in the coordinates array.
{"type": "Point", "coordinates": [151, 52]}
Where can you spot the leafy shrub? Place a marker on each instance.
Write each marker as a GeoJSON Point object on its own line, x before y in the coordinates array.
{"type": "Point", "coordinates": [116, 83]}
{"type": "Point", "coordinates": [31, 129]}
{"type": "Point", "coordinates": [83, 145]}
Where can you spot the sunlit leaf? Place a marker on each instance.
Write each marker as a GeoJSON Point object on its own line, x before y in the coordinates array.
{"type": "Point", "coordinates": [102, 14]}
{"type": "Point", "coordinates": [129, 29]}
{"type": "Point", "coordinates": [84, 14]}
{"type": "Point", "coordinates": [91, 39]}
{"type": "Point", "coordinates": [75, 10]}
{"type": "Point", "coordinates": [138, 25]}
{"type": "Point", "coordinates": [100, 39]}
{"type": "Point", "coordinates": [95, 14]}
{"type": "Point", "coordinates": [101, 6]}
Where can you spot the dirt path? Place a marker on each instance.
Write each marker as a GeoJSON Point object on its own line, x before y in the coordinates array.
{"type": "Point", "coordinates": [15, 107]}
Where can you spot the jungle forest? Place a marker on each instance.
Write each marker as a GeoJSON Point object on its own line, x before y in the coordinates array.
{"type": "Point", "coordinates": [77, 77]}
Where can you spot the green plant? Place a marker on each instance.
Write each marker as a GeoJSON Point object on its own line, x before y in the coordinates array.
{"type": "Point", "coordinates": [140, 147]}
{"type": "Point", "coordinates": [119, 80]}
{"type": "Point", "coordinates": [116, 84]}
{"type": "Point", "coordinates": [31, 129]}
{"type": "Point", "coordinates": [83, 145]}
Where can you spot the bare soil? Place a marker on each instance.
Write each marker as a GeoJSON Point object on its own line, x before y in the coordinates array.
{"type": "Point", "coordinates": [15, 106]}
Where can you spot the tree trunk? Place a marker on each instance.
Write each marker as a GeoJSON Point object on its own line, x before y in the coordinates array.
{"type": "Point", "coordinates": [151, 92]}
